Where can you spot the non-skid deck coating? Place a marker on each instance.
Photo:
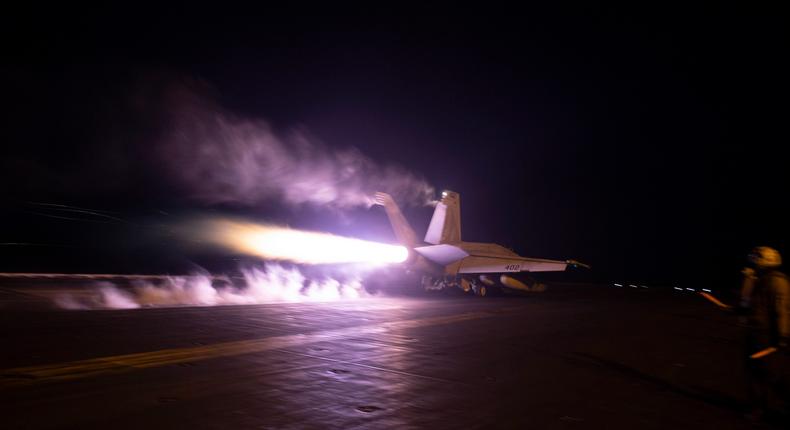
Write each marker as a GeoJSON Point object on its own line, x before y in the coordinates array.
{"type": "Point", "coordinates": [574, 357]}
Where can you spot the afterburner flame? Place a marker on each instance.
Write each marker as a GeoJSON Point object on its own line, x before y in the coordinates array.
{"type": "Point", "coordinates": [305, 247]}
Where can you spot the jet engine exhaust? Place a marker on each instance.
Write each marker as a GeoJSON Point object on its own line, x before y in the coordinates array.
{"type": "Point", "coordinates": [297, 246]}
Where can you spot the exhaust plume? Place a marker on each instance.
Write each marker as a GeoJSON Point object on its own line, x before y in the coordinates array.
{"type": "Point", "coordinates": [304, 247]}
{"type": "Point", "coordinates": [219, 157]}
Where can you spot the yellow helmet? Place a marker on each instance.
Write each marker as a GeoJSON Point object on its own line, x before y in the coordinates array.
{"type": "Point", "coordinates": [765, 257]}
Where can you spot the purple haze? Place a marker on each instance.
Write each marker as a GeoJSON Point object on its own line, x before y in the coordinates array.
{"type": "Point", "coordinates": [219, 157]}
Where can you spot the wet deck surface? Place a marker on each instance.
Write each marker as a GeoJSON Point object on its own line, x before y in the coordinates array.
{"type": "Point", "coordinates": [574, 357]}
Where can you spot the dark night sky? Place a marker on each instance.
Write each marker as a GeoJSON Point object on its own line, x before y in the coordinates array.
{"type": "Point", "coordinates": [645, 142]}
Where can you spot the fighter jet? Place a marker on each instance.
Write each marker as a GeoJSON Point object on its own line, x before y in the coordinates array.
{"type": "Point", "coordinates": [446, 261]}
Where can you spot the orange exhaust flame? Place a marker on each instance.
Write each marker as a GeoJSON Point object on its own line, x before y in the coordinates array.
{"type": "Point", "coordinates": [305, 247]}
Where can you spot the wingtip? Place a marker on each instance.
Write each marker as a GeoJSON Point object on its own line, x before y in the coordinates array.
{"type": "Point", "coordinates": [382, 198]}
{"type": "Point", "coordinates": [579, 264]}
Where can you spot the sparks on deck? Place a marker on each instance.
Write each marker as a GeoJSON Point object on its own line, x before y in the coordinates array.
{"type": "Point", "coordinates": [305, 247]}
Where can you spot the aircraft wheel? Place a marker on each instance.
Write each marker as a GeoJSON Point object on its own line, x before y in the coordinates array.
{"type": "Point", "coordinates": [432, 284]}
{"type": "Point", "coordinates": [467, 286]}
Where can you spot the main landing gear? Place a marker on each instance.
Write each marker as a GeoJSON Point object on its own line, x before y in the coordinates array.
{"type": "Point", "coordinates": [467, 285]}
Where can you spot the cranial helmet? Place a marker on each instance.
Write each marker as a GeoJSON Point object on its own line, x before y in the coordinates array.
{"type": "Point", "coordinates": [765, 257]}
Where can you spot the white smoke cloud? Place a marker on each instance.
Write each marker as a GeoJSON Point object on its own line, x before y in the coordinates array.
{"type": "Point", "coordinates": [219, 157]}
{"type": "Point", "coordinates": [273, 283]}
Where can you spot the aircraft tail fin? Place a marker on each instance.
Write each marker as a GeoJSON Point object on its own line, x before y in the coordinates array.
{"type": "Point", "coordinates": [400, 226]}
{"type": "Point", "coordinates": [445, 224]}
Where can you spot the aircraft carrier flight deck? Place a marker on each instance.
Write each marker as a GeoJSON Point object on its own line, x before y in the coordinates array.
{"type": "Point", "coordinates": [649, 358]}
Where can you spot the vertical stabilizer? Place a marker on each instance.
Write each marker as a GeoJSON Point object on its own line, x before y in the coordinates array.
{"type": "Point", "coordinates": [445, 225]}
{"type": "Point", "coordinates": [400, 226]}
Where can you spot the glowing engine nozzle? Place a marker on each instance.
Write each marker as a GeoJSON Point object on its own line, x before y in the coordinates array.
{"type": "Point", "coordinates": [279, 243]}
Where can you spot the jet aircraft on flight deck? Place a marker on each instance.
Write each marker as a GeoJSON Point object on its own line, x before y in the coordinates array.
{"type": "Point", "coordinates": [446, 261]}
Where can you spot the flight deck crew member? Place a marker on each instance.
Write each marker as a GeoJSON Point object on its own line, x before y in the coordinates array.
{"type": "Point", "coordinates": [765, 303]}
